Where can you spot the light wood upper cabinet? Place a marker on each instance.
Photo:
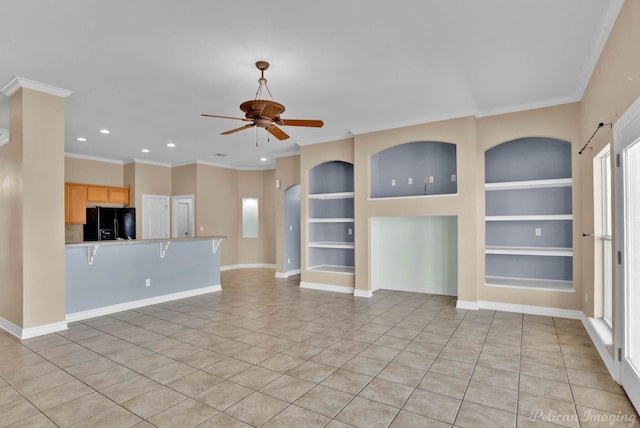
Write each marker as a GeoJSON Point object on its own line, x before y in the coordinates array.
{"type": "Point", "coordinates": [77, 195]}
{"type": "Point", "coordinates": [119, 195]}
{"type": "Point", "coordinates": [108, 194]}
{"type": "Point", "coordinates": [75, 203]}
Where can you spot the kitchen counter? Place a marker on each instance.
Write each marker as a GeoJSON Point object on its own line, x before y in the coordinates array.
{"type": "Point", "coordinates": [104, 277]}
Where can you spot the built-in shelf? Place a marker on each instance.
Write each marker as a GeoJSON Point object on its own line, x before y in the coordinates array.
{"type": "Point", "coordinates": [530, 251]}
{"type": "Point", "coordinates": [534, 217]}
{"type": "Point", "coordinates": [529, 184]}
{"type": "Point", "coordinates": [347, 270]}
{"type": "Point", "coordinates": [530, 283]}
{"type": "Point", "coordinates": [330, 220]}
{"type": "Point", "coordinates": [346, 245]}
{"type": "Point", "coordinates": [338, 195]}
{"type": "Point", "coordinates": [528, 201]}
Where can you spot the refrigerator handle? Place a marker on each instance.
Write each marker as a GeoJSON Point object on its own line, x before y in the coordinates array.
{"type": "Point", "coordinates": [115, 227]}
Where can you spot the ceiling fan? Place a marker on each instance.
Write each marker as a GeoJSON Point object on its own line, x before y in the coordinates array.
{"type": "Point", "coordinates": [265, 113]}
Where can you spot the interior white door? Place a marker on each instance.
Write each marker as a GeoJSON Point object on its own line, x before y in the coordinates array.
{"type": "Point", "coordinates": [182, 218]}
{"type": "Point", "coordinates": [155, 216]}
{"type": "Point", "coordinates": [627, 237]}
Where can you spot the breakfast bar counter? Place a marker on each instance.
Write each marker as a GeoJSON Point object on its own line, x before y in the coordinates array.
{"type": "Point", "coordinates": [104, 277]}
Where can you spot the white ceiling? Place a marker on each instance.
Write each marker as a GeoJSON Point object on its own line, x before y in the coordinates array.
{"type": "Point", "coordinates": [146, 69]}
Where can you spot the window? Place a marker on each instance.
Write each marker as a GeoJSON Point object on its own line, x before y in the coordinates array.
{"type": "Point", "coordinates": [606, 233]}
{"type": "Point", "coordinates": [249, 217]}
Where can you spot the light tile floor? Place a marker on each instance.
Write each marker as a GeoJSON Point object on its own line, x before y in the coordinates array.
{"type": "Point", "coordinates": [265, 353]}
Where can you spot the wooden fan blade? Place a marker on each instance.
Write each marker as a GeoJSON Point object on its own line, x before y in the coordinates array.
{"type": "Point", "coordinates": [277, 132]}
{"type": "Point", "coordinates": [225, 117]}
{"type": "Point", "coordinates": [301, 122]}
{"type": "Point", "coordinates": [249, 125]}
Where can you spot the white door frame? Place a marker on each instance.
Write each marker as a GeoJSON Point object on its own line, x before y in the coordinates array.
{"type": "Point", "coordinates": [145, 199]}
{"type": "Point", "coordinates": [626, 131]}
{"type": "Point", "coordinates": [175, 200]}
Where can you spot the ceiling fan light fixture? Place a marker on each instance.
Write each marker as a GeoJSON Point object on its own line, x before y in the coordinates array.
{"type": "Point", "coordinates": [265, 113]}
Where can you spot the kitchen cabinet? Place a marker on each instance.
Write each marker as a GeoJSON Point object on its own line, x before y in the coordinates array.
{"type": "Point", "coordinates": [75, 203]}
{"type": "Point", "coordinates": [108, 194]}
{"type": "Point", "coordinates": [76, 197]}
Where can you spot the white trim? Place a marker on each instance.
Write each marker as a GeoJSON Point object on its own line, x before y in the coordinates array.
{"type": "Point", "coordinates": [29, 332]}
{"type": "Point", "coordinates": [521, 309]}
{"type": "Point", "coordinates": [466, 304]}
{"type": "Point", "coordinates": [148, 162]}
{"type": "Point", "coordinates": [362, 293]}
{"type": "Point", "coordinates": [530, 217]}
{"type": "Point", "coordinates": [249, 266]}
{"type": "Point", "coordinates": [20, 82]}
{"type": "Point", "coordinates": [287, 154]}
{"type": "Point", "coordinates": [529, 184]}
{"type": "Point", "coordinates": [237, 168]}
{"type": "Point", "coordinates": [93, 158]}
{"type": "Point", "coordinates": [389, 198]}
{"type": "Point", "coordinates": [595, 333]}
{"type": "Point", "coordinates": [4, 136]}
{"type": "Point", "coordinates": [288, 273]}
{"type": "Point", "coordinates": [327, 287]}
{"type": "Point", "coordinates": [111, 309]}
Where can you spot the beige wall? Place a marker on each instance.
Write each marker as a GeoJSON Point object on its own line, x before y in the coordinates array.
{"type": "Point", "coordinates": [461, 132]}
{"type": "Point", "coordinates": [217, 208]}
{"type": "Point", "coordinates": [310, 156]}
{"type": "Point", "coordinates": [77, 170]}
{"type": "Point", "coordinates": [250, 186]}
{"type": "Point", "coordinates": [288, 172]}
{"type": "Point", "coordinates": [11, 218]}
{"type": "Point", "coordinates": [32, 259]}
{"type": "Point", "coordinates": [268, 217]}
{"type": "Point", "coordinates": [146, 179]}
{"type": "Point", "coordinates": [561, 122]}
{"type": "Point", "coordinates": [614, 86]}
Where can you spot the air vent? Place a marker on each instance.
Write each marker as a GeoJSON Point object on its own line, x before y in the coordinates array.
{"type": "Point", "coordinates": [221, 155]}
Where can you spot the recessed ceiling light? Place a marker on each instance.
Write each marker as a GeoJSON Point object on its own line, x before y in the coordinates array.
{"type": "Point", "coordinates": [170, 145]}
{"type": "Point", "coordinates": [81, 139]}
{"type": "Point", "coordinates": [264, 159]}
{"type": "Point", "coordinates": [145, 150]}
{"type": "Point", "coordinates": [105, 131]}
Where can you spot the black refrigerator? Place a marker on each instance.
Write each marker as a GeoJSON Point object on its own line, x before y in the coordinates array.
{"type": "Point", "coordinates": [106, 223]}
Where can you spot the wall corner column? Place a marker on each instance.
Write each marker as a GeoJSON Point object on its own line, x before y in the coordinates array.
{"type": "Point", "coordinates": [33, 249]}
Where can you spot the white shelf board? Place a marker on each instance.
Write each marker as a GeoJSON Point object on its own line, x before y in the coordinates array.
{"type": "Point", "coordinates": [530, 251]}
{"type": "Point", "coordinates": [530, 283]}
{"type": "Point", "coordinates": [346, 270]}
{"type": "Point", "coordinates": [330, 220]}
{"type": "Point", "coordinates": [346, 245]}
{"type": "Point", "coordinates": [529, 217]}
{"type": "Point", "coordinates": [529, 184]}
{"type": "Point", "coordinates": [339, 195]}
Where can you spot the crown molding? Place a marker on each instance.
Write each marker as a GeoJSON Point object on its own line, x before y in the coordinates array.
{"type": "Point", "coordinates": [20, 82]}
{"type": "Point", "coordinates": [237, 168]}
{"type": "Point", "coordinates": [4, 136]}
{"type": "Point", "coordinates": [286, 154]}
{"type": "Point", "coordinates": [92, 158]}
{"type": "Point", "coordinates": [148, 162]}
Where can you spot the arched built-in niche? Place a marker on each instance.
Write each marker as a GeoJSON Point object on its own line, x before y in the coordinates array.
{"type": "Point", "coordinates": [529, 221]}
{"type": "Point", "coordinates": [414, 169]}
{"type": "Point", "coordinates": [331, 218]}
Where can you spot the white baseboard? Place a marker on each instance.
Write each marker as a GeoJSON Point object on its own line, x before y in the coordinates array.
{"type": "Point", "coordinates": [326, 287]}
{"type": "Point", "coordinates": [521, 309]}
{"type": "Point", "coordinates": [362, 293]}
{"type": "Point", "coordinates": [288, 273]}
{"type": "Point", "coordinates": [593, 330]}
{"type": "Point", "coordinates": [29, 332]}
{"type": "Point", "coordinates": [248, 266]}
{"type": "Point", "coordinates": [112, 309]}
